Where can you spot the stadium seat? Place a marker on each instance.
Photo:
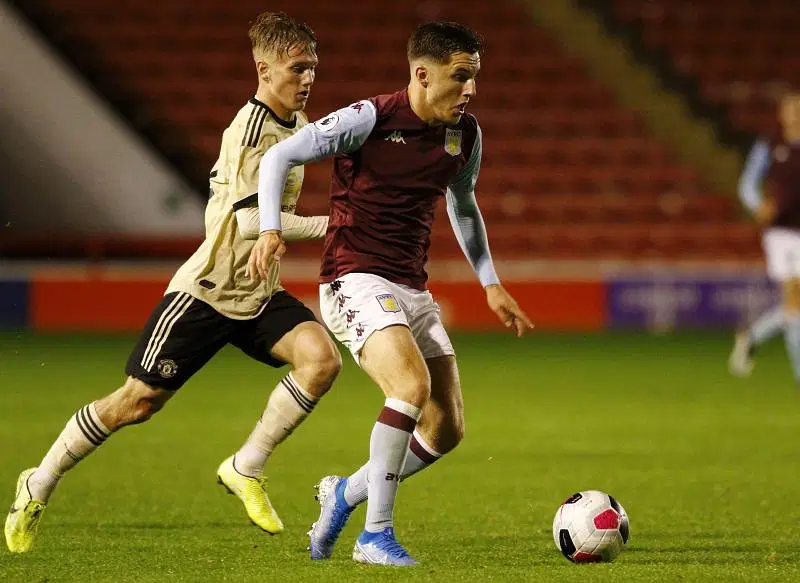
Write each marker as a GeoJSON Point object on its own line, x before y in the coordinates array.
{"type": "Point", "coordinates": [567, 171]}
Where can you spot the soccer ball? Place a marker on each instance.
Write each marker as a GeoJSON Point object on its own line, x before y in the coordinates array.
{"type": "Point", "coordinates": [591, 527]}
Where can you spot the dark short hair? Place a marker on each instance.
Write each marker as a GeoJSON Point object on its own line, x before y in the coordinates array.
{"type": "Point", "coordinates": [440, 39]}
{"type": "Point", "coordinates": [279, 33]}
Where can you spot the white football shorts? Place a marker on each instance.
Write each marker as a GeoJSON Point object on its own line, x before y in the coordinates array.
{"type": "Point", "coordinates": [357, 304]}
{"type": "Point", "coordinates": [782, 250]}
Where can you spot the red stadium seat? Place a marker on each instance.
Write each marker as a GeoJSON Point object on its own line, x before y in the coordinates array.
{"type": "Point", "coordinates": [567, 172]}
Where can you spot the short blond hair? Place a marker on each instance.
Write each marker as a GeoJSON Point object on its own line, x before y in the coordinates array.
{"type": "Point", "coordinates": [278, 33]}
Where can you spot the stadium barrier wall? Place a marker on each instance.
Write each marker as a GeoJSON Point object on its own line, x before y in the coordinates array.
{"type": "Point", "coordinates": [110, 300]}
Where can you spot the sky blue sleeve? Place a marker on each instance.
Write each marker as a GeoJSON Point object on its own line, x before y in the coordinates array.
{"type": "Point", "coordinates": [755, 169]}
{"type": "Point", "coordinates": [466, 219]}
{"type": "Point", "coordinates": [342, 131]}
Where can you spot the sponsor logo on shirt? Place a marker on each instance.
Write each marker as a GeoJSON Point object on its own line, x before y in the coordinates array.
{"type": "Point", "coordinates": [395, 137]}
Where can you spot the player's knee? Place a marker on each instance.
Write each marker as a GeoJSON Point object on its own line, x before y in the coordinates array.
{"type": "Point", "coordinates": [452, 431]}
{"type": "Point", "coordinates": [138, 402]}
{"type": "Point", "coordinates": [327, 363]}
{"type": "Point", "coordinates": [415, 391]}
{"type": "Point", "coordinates": [458, 430]}
{"type": "Point", "coordinates": [319, 366]}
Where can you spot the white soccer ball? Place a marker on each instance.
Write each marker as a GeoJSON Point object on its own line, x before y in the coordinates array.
{"type": "Point", "coordinates": [591, 527]}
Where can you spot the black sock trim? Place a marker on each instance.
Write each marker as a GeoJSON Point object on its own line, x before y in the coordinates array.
{"type": "Point", "coordinates": [92, 423]}
{"type": "Point", "coordinates": [305, 404]}
{"type": "Point", "coordinates": [85, 430]}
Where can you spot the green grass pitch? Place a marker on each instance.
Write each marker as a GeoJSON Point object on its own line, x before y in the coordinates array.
{"type": "Point", "coordinates": [707, 466]}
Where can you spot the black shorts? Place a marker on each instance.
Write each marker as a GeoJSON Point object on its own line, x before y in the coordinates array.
{"type": "Point", "coordinates": [183, 333]}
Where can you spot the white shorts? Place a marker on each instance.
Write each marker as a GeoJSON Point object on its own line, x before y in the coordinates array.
{"type": "Point", "coordinates": [357, 304]}
{"type": "Point", "coordinates": [782, 249]}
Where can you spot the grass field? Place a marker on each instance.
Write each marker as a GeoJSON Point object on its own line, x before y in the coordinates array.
{"type": "Point", "coordinates": [707, 466]}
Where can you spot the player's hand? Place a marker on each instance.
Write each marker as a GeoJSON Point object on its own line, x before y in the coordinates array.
{"type": "Point", "coordinates": [766, 212]}
{"type": "Point", "coordinates": [269, 248]}
{"type": "Point", "coordinates": [507, 309]}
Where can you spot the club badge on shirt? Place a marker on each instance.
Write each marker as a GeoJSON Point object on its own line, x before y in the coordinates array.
{"type": "Point", "coordinates": [452, 142]}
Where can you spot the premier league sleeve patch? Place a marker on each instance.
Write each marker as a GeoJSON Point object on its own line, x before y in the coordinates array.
{"type": "Point", "coordinates": [388, 303]}
{"type": "Point", "coordinates": [327, 123]}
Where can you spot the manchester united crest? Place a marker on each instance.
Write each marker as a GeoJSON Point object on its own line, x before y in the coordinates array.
{"type": "Point", "coordinates": [452, 142]}
{"type": "Point", "coordinates": [167, 368]}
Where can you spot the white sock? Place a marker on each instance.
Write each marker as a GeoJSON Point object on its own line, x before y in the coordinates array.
{"type": "Point", "coordinates": [388, 447]}
{"type": "Point", "coordinates": [420, 456]}
{"type": "Point", "coordinates": [83, 434]}
{"type": "Point", "coordinates": [768, 325]}
{"type": "Point", "coordinates": [287, 407]}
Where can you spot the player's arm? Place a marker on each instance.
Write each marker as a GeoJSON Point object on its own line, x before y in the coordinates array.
{"type": "Point", "coordinates": [245, 207]}
{"type": "Point", "coordinates": [751, 180]}
{"type": "Point", "coordinates": [295, 228]}
{"type": "Point", "coordinates": [340, 132]}
{"type": "Point", "coordinates": [470, 231]}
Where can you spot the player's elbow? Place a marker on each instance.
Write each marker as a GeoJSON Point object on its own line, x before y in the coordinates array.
{"type": "Point", "coordinates": [247, 223]}
{"type": "Point", "coordinates": [247, 232]}
{"type": "Point", "coordinates": [748, 194]}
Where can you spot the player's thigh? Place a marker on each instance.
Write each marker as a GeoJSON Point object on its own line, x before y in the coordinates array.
{"type": "Point", "coordinates": [392, 359]}
{"type": "Point", "coordinates": [446, 397]}
{"type": "Point", "coordinates": [307, 344]}
{"type": "Point", "coordinates": [286, 332]}
{"type": "Point", "coordinates": [180, 337]}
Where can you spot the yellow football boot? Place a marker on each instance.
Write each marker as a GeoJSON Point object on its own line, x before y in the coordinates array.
{"type": "Point", "coordinates": [253, 494]}
{"type": "Point", "coordinates": [23, 518]}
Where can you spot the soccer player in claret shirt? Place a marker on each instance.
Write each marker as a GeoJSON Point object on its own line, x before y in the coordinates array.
{"type": "Point", "coordinates": [396, 156]}
{"type": "Point", "coordinates": [211, 301]}
{"type": "Point", "coordinates": [775, 164]}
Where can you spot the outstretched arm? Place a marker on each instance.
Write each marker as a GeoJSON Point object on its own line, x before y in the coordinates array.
{"type": "Point", "coordinates": [294, 227]}
{"type": "Point", "coordinates": [470, 231]}
{"type": "Point", "coordinates": [466, 219]}
{"type": "Point", "coordinates": [750, 184]}
{"type": "Point", "coordinates": [342, 131]}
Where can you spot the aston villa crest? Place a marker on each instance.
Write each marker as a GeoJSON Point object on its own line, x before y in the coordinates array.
{"type": "Point", "coordinates": [452, 142]}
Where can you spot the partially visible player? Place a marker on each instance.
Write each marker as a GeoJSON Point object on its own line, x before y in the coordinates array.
{"type": "Point", "coordinates": [397, 155]}
{"type": "Point", "coordinates": [773, 165]}
{"type": "Point", "coordinates": [211, 302]}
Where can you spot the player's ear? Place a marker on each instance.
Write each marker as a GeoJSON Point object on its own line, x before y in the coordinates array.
{"type": "Point", "coordinates": [423, 75]}
{"type": "Point", "coordinates": [262, 68]}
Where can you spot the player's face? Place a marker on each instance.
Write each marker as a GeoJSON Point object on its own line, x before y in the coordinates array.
{"type": "Point", "coordinates": [451, 85]}
{"type": "Point", "coordinates": [288, 80]}
{"type": "Point", "coordinates": [790, 115]}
